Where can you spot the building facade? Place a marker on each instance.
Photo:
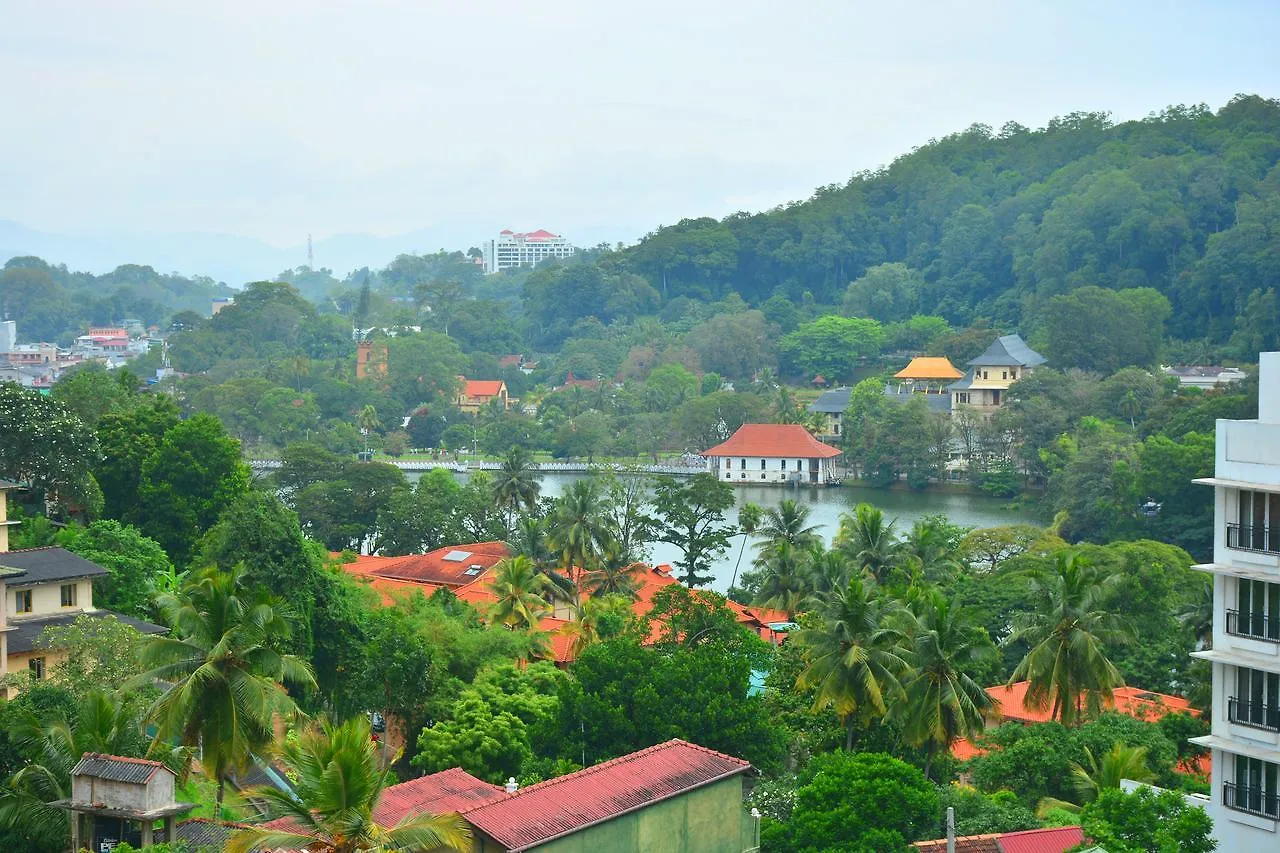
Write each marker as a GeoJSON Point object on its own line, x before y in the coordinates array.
{"type": "Point", "coordinates": [772, 453]}
{"type": "Point", "coordinates": [983, 387]}
{"type": "Point", "coordinates": [510, 250]}
{"type": "Point", "coordinates": [1245, 735]}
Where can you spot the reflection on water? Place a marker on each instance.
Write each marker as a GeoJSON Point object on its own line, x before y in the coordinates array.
{"type": "Point", "coordinates": [826, 505]}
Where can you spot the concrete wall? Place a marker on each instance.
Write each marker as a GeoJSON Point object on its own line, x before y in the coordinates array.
{"type": "Point", "coordinates": [707, 820]}
{"type": "Point", "coordinates": [46, 599]}
{"type": "Point", "coordinates": [759, 470]}
{"type": "Point", "coordinates": [124, 795]}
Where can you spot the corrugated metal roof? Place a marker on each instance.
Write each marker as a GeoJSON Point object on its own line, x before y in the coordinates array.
{"type": "Point", "coordinates": [1055, 840]}
{"type": "Point", "coordinates": [830, 402]}
{"type": "Point", "coordinates": [449, 790]}
{"type": "Point", "coordinates": [560, 806]}
{"type": "Point", "coordinates": [117, 768]}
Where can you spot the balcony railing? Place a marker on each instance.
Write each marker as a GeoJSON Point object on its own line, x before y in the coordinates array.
{"type": "Point", "coordinates": [1253, 800]}
{"type": "Point", "coordinates": [1257, 715]}
{"type": "Point", "coordinates": [1257, 626]}
{"type": "Point", "coordinates": [1253, 537]}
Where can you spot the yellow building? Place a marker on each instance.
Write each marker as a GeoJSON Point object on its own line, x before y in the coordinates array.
{"type": "Point", "coordinates": [475, 394]}
{"type": "Point", "coordinates": [42, 588]}
{"type": "Point", "coordinates": [1006, 361]}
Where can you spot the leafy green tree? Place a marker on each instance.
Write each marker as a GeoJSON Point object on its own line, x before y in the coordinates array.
{"type": "Point", "coordinates": [223, 673]}
{"type": "Point", "coordinates": [1067, 667]}
{"type": "Point", "coordinates": [423, 367]}
{"type": "Point", "coordinates": [785, 582]}
{"type": "Point", "coordinates": [831, 346]}
{"type": "Point", "coordinates": [1145, 821]}
{"type": "Point", "coordinates": [692, 513]}
{"type": "Point", "coordinates": [186, 481]}
{"type": "Point", "coordinates": [1104, 330]}
{"type": "Point", "coordinates": [133, 562]}
{"type": "Point", "coordinates": [978, 813]}
{"type": "Point", "coordinates": [47, 446]}
{"type": "Point", "coordinates": [98, 652]}
{"type": "Point", "coordinates": [857, 801]}
{"type": "Point", "coordinates": [90, 392]}
{"type": "Point", "coordinates": [887, 292]}
{"type": "Point", "coordinates": [988, 547]}
{"type": "Point", "coordinates": [337, 783]}
{"type": "Point", "coordinates": [127, 439]}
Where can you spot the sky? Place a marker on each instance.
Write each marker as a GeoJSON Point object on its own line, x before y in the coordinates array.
{"type": "Point", "coordinates": [600, 120]}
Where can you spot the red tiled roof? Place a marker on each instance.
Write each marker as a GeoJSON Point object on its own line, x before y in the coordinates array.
{"type": "Point", "coordinates": [1132, 701]}
{"type": "Point", "coordinates": [1055, 840]}
{"type": "Point", "coordinates": [482, 388]}
{"type": "Point", "coordinates": [572, 381]}
{"type": "Point", "coordinates": [509, 361]}
{"type": "Point", "coordinates": [540, 234]}
{"type": "Point", "coordinates": [432, 567]}
{"type": "Point", "coordinates": [773, 440]}
{"type": "Point", "coordinates": [449, 790]}
{"type": "Point", "coordinates": [560, 806]}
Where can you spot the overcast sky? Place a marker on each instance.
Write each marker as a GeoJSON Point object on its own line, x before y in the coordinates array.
{"type": "Point", "coordinates": [273, 119]}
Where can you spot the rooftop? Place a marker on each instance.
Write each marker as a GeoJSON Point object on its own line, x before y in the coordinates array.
{"type": "Point", "coordinates": [117, 768]}
{"type": "Point", "coordinates": [557, 807]}
{"type": "Point", "coordinates": [482, 387]}
{"type": "Point", "coordinates": [1009, 350]}
{"type": "Point", "coordinates": [453, 565]}
{"type": "Point", "coordinates": [929, 367]}
{"type": "Point", "coordinates": [43, 565]}
{"type": "Point", "coordinates": [1054, 840]}
{"type": "Point", "coordinates": [24, 635]}
{"type": "Point", "coordinates": [1131, 701]}
{"type": "Point", "coordinates": [773, 440]}
{"type": "Point", "coordinates": [833, 401]}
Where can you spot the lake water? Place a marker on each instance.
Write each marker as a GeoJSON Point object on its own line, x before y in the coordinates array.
{"type": "Point", "coordinates": [828, 503]}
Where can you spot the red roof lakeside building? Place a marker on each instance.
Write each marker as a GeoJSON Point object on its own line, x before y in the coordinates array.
{"type": "Point", "coordinates": [475, 394]}
{"type": "Point", "coordinates": [772, 453]}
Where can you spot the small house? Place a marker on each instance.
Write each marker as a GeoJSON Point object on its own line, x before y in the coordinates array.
{"type": "Point", "coordinates": [1006, 361]}
{"type": "Point", "coordinates": [772, 453]}
{"type": "Point", "coordinates": [115, 799]}
{"type": "Point", "coordinates": [475, 394]}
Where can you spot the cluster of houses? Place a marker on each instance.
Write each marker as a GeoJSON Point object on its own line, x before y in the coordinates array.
{"type": "Point", "coordinates": [38, 365]}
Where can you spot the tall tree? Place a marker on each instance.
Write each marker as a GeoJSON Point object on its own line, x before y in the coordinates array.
{"type": "Point", "coordinates": [578, 531]}
{"type": "Point", "coordinates": [46, 445]}
{"type": "Point", "coordinates": [749, 518]}
{"type": "Point", "coordinates": [519, 592]}
{"type": "Point", "coordinates": [693, 515]}
{"type": "Point", "coordinates": [787, 523]}
{"type": "Point", "coordinates": [785, 583]}
{"type": "Point", "coordinates": [868, 541]}
{"type": "Point", "coordinates": [1067, 666]}
{"type": "Point", "coordinates": [516, 484]}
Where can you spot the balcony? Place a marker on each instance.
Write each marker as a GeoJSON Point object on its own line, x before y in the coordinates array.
{"type": "Point", "coordinates": [1252, 800]}
{"type": "Point", "coordinates": [1255, 626]}
{"type": "Point", "coordinates": [1257, 715]}
{"type": "Point", "coordinates": [1244, 537]}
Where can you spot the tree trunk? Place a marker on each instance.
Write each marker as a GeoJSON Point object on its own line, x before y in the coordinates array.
{"type": "Point", "coordinates": [217, 814]}
{"type": "Point", "coordinates": [738, 564]}
{"type": "Point", "coordinates": [848, 735]}
{"type": "Point", "coordinates": [928, 759]}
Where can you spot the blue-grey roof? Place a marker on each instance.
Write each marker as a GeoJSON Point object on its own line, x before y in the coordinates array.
{"type": "Point", "coordinates": [935, 402]}
{"type": "Point", "coordinates": [24, 635]}
{"type": "Point", "coordinates": [835, 400]}
{"type": "Point", "coordinates": [43, 565]}
{"type": "Point", "coordinates": [963, 384]}
{"type": "Point", "coordinates": [1009, 351]}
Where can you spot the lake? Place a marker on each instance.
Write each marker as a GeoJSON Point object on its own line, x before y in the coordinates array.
{"type": "Point", "coordinates": [828, 503]}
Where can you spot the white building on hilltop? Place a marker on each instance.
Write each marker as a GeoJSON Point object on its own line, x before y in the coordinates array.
{"type": "Point", "coordinates": [1245, 738]}
{"type": "Point", "coordinates": [510, 250]}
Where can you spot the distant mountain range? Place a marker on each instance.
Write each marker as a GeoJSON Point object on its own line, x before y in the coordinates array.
{"type": "Point", "coordinates": [234, 259]}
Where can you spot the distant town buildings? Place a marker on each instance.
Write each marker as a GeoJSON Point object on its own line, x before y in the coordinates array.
{"type": "Point", "coordinates": [510, 250]}
{"type": "Point", "coordinates": [39, 364]}
{"type": "Point", "coordinates": [1204, 377]}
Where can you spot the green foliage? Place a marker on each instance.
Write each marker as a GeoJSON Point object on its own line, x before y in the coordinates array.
{"type": "Point", "coordinates": [693, 519]}
{"type": "Point", "coordinates": [1104, 330]}
{"type": "Point", "coordinates": [1147, 821]}
{"type": "Point", "coordinates": [978, 813]}
{"type": "Point", "coordinates": [47, 446]}
{"type": "Point", "coordinates": [831, 346]}
{"type": "Point", "coordinates": [101, 652]}
{"type": "Point", "coordinates": [133, 563]}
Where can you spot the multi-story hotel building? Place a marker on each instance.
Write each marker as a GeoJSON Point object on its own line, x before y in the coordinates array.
{"type": "Point", "coordinates": [1245, 738]}
{"type": "Point", "coordinates": [510, 250]}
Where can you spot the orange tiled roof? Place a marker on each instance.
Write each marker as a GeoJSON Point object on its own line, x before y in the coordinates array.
{"type": "Point", "coordinates": [1132, 701]}
{"type": "Point", "coordinates": [480, 388]}
{"type": "Point", "coordinates": [929, 367]}
{"type": "Point", "coordinates": [452, 565]}
{"type": "Point", "coordinates": [790, 441]}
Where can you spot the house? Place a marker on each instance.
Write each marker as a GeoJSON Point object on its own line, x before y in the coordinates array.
{"type": "Point", "coordinates": [831, 405]}
{"type": "Point", "coordinates": [772, 453]}
{"type": "Point", "coordinates": [475, 394]}
{"type": "Point", "coordinates": [1058, 839]}
{"type": "Point", "coordinates": [925, 378]}
{"type": "Point", "coordinates": [1204, 377]}
{"type": "Point", "coordinates": [571, 381]}
{"type": "Point", "coordinates": [42, 588]}
{"type": "Point", "coordinates": [508, 361]}
{"type": "Point", "coordinates": [115, 793]}
{"type": "Point", "coordinates": [990, 374]}
{"type": "Point", "coordinates": [1245, 653]}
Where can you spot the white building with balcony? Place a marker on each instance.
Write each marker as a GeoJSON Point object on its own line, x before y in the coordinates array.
{"type": "Point", "coordinates": [1245, 735]}
{"type": "Point", "coordinates": [510, 250]}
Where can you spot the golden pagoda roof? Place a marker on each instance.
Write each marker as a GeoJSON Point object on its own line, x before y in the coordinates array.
{"type": "Point", "coordinates": [929, 367]}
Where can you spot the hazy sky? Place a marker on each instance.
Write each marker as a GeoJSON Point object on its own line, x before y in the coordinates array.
{"type": "Point", "coordinates": [273, 119]}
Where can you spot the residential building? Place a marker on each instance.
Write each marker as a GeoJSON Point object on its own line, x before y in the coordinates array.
{"type": "Point", "coordinates": [772, 453]}
{"type": "Point", "coordinates": [831, 405]}
{"type": "Point", "coordinates": [475, 394]}
{"type": "Point", "coordinates": [925, 378]}
{"type": "Point", "coordinates": [220, 302]}
{"type": "Point", "coordinates": [1204, 377]}
{"type": "Point", "coordinates": [510, 250]}
{"type": "Point", "coordinates": [8, 335]}
{"type": "Point", "coordinates": [990, 374]}
{"type": "Point", "coordinates": [41, 588]}
{"type": "Point", "coordinates": [1245, 653]}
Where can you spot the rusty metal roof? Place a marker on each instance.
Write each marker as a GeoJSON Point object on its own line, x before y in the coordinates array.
{"type": "Point", "coordinates": [117, 768]}
{"type": "Point", "coordinates": [560, 806]}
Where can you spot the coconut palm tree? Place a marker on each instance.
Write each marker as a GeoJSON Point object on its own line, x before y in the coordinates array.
{"type": "Point", "coordinates": [519, 589]}
{"type": "Point", "coordinates": [784, 583]}
{"type": "Point", "coordinates": [749, 518]}
{"type": "Point", "coordinates": [868, 541]}
{"type": "Point", "coordinates": [854, 656]}
{"type": "Point", "coordinates": [337, 783]}
{"type": "Point", "coordinates": [578, 530]}
{"type": "Point", "coordinates": [828, 572]}
{"type": "Point", "coordinates": [223, 671]}
{"type": "Point", "coordinates": [1097, 774]}
{"type": "Point", "coordinates": [591, 618]}
{"type": "Point", "coordinates": [1067, 666]}
{"type": "Point", "coordinates": [787, 523]}
{"type": "Point", "coordinates": [928, 550]}
{"type": "Point", "coordinates": [943, 704]}
{"type": "Point", "coordinates": [367, 421]}
{"type": "Point", "coordinates": [613, 576]}
{"type": "Point", "coordinates": [516, 483]}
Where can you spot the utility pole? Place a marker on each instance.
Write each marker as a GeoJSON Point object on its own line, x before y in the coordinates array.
{"type": "Point", "coordinates": [311, 258]}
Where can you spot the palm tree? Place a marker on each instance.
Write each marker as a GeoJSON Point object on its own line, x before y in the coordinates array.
{"type": "Point", "coordinates": [868, 541]}
{"type": "Point", "coordinates": [1067, 667]}
{"type": "Point", "coordinates": [367, 420]}
{"type": "Point", "coordinates": [515, 483]}
{"type": "Point", "coordinates": [578, 530]}
{"type": "Point", "coordinates": [854, 657]}
{"type": "Point", "coordinates": [828, 571]}
{"type": "Point", "coordinates": [519, 590]}
{"type": "Point", "coordinates": [1197, 616]}
{"type": "Point", "coordinates": [532, 541]}
{"type": "Point", "coordinates": [928, 549]}
{"type": "Point", "coordinates": [1095, 775]}
{"type": "Point", "coordinates": [613, 576]}
{"type": "Point", "coordinates": [748, 522]}
{"type": "Point", "coordinates": [223, 671]}
{"type": "Point", "coordinates": [787, 523]}
{"type": "Point", "coordinates": [591, 616]}
{"type": "Point", "coordinates": [785, 583]}
{"type": "Point", "coordinates": [943, 704]}
{"type": "Point", "coordinates": [337, 784]}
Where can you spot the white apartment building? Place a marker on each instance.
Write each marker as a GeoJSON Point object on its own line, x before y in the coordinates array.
{"type": "Point", "coordinates": [510, 250]}
{"type": "Point", "coordinates": [1245, 738]}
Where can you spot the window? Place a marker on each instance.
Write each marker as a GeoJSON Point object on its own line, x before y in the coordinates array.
{"type": "Point", "coordinates": [1254, 788]}
{"type": "Point", "coordinates": [36, 665]}
{"type": "Point", "coordinates": [1004, 374]}
{"type": "Point", "coordinates": [784, 464]}
{"type": "Point", "coordinates": [837, 432]}
{"type": "Point", "coordinates": [23, 601]}
{"type": "Point", "coordinates": [984, 374]}
{"type": "Point", "coordinates": [1258, 610]}
{"type": "Point", "coordinates": [68, 595]}
{"type": "Point", "coordinates": [761, 475]}
{"type": "Point", "coordinates": [1013, 374]}
{"type": "Point", "coordinates": [995, 398]}
{"type": "Point", "coordinates": [743, 464]}
{"type": "Point", "coordinates": [1257, 699]}
{"type": "Point", "coordinates": [763, 464]}
{"type": "Point", "coordinates": [1256, 513]}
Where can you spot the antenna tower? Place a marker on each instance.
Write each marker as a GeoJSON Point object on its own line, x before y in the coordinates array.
{"type": "Point", "coordinates": [311, 258]}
